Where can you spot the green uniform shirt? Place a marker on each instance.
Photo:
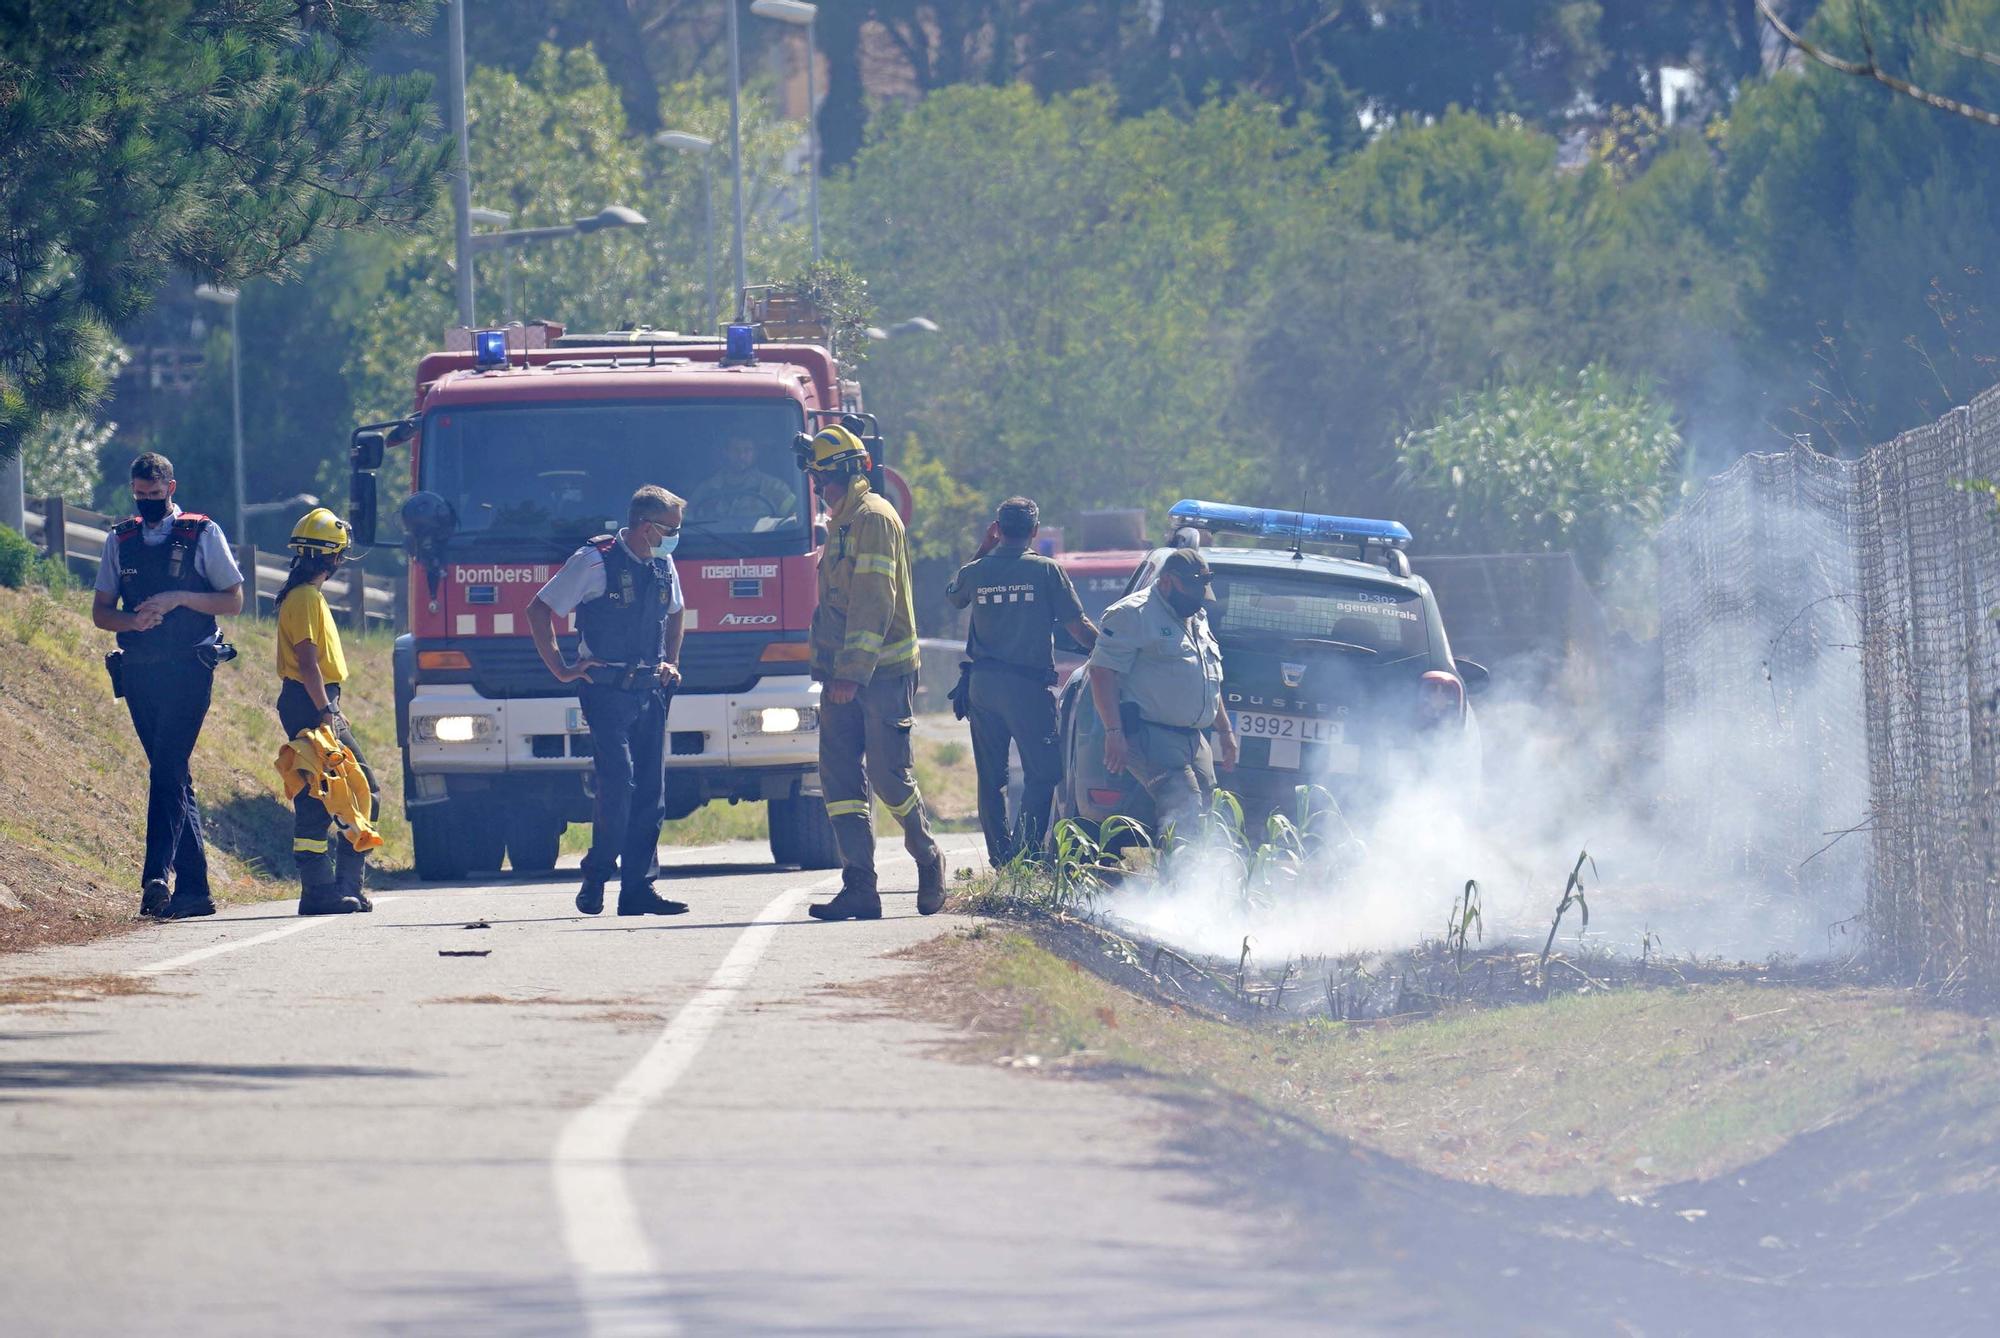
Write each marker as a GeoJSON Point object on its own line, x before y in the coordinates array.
{"type": "Point", "coordinates": [1170, 667]}
{"type": "Point", "coordinates": [1018, 599]}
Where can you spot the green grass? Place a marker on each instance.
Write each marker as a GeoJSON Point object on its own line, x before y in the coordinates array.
{"type": "Point", "coordinates": [1610, 1090]}
{"type": "Point", "coordinates": [711, 824]}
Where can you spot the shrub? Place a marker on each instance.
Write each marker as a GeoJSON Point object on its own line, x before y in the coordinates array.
{"type": "Point", "coordinates": [17, 558]}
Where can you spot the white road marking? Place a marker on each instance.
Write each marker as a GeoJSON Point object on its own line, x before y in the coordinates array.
{"type": "Point", "coordinates": [616, 1271]}
{"type": "Point", "coordinates": [217, 949]}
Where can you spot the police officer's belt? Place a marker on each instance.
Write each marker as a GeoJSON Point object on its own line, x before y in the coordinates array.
{"type": "Point", "coordinates": [1045, 677]}
{"type": "Point", "coordinates": [627, 677]}
{"type": "Point", "coordinates": [1129, 717]}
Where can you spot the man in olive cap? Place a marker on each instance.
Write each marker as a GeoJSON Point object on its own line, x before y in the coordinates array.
{"type": "Point", "coordinates": [1156, 681]}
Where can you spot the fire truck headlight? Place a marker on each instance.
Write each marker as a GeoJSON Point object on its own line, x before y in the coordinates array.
{"type": "Point", "coordinates": [452, 728]}
{"type": "Point", "coordinates": [779, 720]}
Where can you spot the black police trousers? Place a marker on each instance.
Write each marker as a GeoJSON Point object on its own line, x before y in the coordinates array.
{"type": "Point", "coordinates": [628, 741]}
{"type": "Point", "coordinates": [1005, 707]}
{"type": "Point", "coordinates": [168, 700]}
{"type": "Point", "coordinates": [317, 850]}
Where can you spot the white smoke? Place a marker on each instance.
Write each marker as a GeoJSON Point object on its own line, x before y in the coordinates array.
{"type": "Point", "coordinates": [1701, 844]}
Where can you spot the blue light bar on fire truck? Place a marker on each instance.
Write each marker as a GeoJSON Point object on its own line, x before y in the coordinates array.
{"type": "Point", "coordinates": [1297, 526]}
{"type": "Point", "coordinates": [489, 349]}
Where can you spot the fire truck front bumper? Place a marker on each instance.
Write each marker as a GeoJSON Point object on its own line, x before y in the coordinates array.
{"type": "Point", "coordinates": [455, 730]}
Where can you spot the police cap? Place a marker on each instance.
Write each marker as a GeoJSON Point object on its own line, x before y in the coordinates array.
{"type": "Point", "coordinates": [1188, 564]}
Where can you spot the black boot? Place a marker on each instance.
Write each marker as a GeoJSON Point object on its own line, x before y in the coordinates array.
{"type": "Point", "coordinates": [326, 899]}
{"type": "Point", "coordinates": [856, 900]}
{"type": "Point", "coordinates": [645, 901]}
{"type": "Point", "coordinates": [153, 901]}
{"type": "Point", "coordinates": [190, 905]}
{"type": "Point", "coordinates": [930, 884]}
{"type": "Point", "coordinates": [590, 897]}
{"type": "Point", "coordinates": [350, 868]}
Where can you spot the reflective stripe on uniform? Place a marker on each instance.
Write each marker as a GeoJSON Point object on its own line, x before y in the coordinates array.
{"type": "Point", "coordinates": [906, 649]}
{"type": "Point", "coordinates": [874, 564]}
{"type": "Point", "coordinates": [845, 808]}
{"type": "Point", "coordinates": [870, 642]}
{"type": "Point", "coordinates": [902, 810]}
{"type": "Point", "coordinates": [300, 843]}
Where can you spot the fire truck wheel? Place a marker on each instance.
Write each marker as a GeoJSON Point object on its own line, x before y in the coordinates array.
{"type": "Point", "coordinates": [801, 833]}
{"type": "Point", "coordinates": [482, 836]}
{"type": "Point", "coordinates": [439, 859]}
{"type": "Point", "coordinates": [533, 849]}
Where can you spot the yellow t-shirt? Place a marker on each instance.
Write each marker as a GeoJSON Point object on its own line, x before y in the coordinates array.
{"type": "Point", "coordinates": [304, 616]}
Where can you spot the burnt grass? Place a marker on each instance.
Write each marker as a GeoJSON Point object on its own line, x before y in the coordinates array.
{"type": "Point", "coordinates": [1419, 981]}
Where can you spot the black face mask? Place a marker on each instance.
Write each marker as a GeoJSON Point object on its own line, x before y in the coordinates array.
{"type": "Point", "coordinates": [152, 510]}
{"type": "Point", "coordinates": [1184, 603]}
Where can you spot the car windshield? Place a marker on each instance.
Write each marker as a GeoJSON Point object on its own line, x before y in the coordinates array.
{"type": "Point", "coordinates": [1270, 606]}
{"type": "Point", "coordinates": [566, 471]}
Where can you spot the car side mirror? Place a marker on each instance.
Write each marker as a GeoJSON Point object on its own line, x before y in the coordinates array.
{"type": "Point", "coordinates": [1476, 676]}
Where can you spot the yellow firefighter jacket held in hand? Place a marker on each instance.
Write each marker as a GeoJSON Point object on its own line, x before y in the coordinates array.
{"type": "Point", "coordinates": [314, 761]}
{"type": "Point", "coordinates": [866, 620]}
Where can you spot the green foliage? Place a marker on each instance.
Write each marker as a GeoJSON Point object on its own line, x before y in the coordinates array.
{"type": "Point", "coordinates": [835, 288]}
{"type": "Point", "coordinates": [17, 558]}
{"type": "Point", "coordinates": [1868, 223]}
{"type": "Point", "coordinates": [1090, 276]}
{"type": "Point", "coordinates": [1585, 465]}
{"type": "Point", "coordinates": [225, 138]}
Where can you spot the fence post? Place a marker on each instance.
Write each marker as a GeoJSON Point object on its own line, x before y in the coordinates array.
{"type": "Point", "coordinates": [55, 529]}
{"type": "Point", "coordinates": [246, 558]}
{"type": "Point", "coordinates": [357, 596]}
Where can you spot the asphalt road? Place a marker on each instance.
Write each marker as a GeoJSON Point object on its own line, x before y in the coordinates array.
{"type": "Point", "coordinates": [602, 1126]}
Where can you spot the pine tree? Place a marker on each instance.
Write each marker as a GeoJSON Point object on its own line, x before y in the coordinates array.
{"type": "Point", "coordinates": [220, 138]}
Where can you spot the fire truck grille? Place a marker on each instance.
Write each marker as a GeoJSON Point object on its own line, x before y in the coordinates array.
{"type": "Point", "coordinates": [710, 662]}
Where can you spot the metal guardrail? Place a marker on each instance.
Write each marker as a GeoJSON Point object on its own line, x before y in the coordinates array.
{"type": "Point", "coordinates": [79, 534]}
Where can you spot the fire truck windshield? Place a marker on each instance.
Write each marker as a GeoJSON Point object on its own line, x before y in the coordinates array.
{"type": "Point", "coordinates": [564, 471]}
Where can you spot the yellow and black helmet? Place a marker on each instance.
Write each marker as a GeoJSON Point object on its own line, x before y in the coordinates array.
{"type": "Point", "coordinates": [320, 531]}
{"type": "Point", "coordinates": [832, 450]}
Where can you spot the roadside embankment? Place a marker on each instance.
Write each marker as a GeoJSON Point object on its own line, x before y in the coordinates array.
{"type": "Point", "coordinates": [73, 778]}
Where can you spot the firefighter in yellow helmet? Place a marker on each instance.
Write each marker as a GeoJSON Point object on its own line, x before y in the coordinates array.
{"type": "Point", "coordinates": [864, 650]}
{"type": "Point", "coordinates": [313, 669]}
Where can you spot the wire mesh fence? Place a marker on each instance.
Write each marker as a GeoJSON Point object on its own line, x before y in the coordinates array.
{"type": "Point", "coordinates": [1831, 662]}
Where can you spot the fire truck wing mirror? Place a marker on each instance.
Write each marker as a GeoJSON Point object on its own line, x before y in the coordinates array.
{"type": "Point", "coordinates": [361, 508]}
{"type": "Point", "coordinates": [1476, 676]}
{"type": "Point", "coordinates": [366, 450]}
{"type": "Point", "coordinates": [402, 431]}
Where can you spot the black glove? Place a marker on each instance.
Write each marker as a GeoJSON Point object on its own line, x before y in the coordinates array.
{"type": "Point", "coordinates": [960, 696]}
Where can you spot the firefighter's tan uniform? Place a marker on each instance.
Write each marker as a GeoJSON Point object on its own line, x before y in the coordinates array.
{"type": "Point", "coordinates": [864, 631]}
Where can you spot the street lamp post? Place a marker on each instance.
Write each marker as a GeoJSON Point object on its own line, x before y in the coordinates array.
{"type": "Point", "coordinates": [736, 153]}
{"type": "Point", "coordinates": [800, 14]}
{"type": "Point", "coordinates": [682, 141]}
{"type": "Point", "coordinates": [227, 297]}
{"type": "Point", "coordinates": [461, 186]}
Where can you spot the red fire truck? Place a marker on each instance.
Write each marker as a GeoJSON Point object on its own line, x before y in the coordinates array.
{"type": "Point", "coordinates": [523, 444]}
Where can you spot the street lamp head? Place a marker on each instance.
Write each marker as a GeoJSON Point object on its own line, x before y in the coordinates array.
{"type": "Point", "coordinates": [611, 216]}
{"type": "Point", "coordinates": [682, 141]}
{"type": "Point", "coordinates": [209, 292]}
{"type": "Point", "coordinates": [489, 218]}
{"type": "Point", "coordinates": [795, 12]}
{"type": "Point", "coordinates": [916, 325]}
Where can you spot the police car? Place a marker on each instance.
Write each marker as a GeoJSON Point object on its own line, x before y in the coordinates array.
{"type": "Point", "coordinates": [1336, 668]}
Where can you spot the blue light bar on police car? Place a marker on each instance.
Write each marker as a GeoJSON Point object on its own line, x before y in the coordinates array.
{"type": "Point", "coordinates": [489, 349]}
{"type": "Point", "coordinates": [1302, 526]}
